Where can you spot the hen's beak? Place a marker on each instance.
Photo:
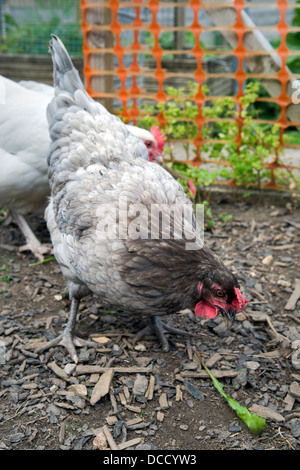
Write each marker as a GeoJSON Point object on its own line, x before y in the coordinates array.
{"type": "Point", "coordinates": [158, 158]}
{"type": "Point", "coordinates": [228, 316]}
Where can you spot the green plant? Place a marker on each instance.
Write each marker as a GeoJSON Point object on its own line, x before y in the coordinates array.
{"type": "Point", "coordinates": [232, 135]}
{"type": "Point", "coordinates": [254, 422]}
{"type": "Point", "coordinates": [248, 146]}
{"type": "Point", "coordinates": [32, 35]}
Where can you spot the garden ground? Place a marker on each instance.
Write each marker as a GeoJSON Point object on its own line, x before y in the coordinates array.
{"type": "Point", "coordinates": [156, 400]}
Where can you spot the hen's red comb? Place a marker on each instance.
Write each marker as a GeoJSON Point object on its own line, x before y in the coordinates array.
{"type": "Point", "coordinates": [159, 136]}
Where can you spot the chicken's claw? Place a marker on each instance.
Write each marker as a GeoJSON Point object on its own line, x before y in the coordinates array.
{"type": "Point", "coordinates": [67, 338]}
{"type": "Point", "coordinates": [69, 341]}
{"type": "Point", "coordinates": [38, 249]}
{"type": "Point", "coordinates": [159, 328]}
{"type": "Point", "coordinates": [32, 243]}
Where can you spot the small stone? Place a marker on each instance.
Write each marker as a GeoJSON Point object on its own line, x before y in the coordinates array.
{"type": "Point", "coordinates": [252, 365]}
{"type": "Point", "coordinates": [193, 390]}
{"type": "Point", "coordinates": [296, 359]}
{"type": "Point", "coordinates": [295, 427]}
{"type": "Point", "coordinates": [267, 260]}
{"type": "Point", "coordinates": [52, 409]}
{"type": "Point", "coordinates": [160, 416]}
{"type": "Point", "coordinates": [78, 402]}
{"type": "Point", "coordinates": [184, 427]}
{"type": "Point", "coordinates": [234, 427]}
{"type": "Point", "coordinates": [18, 436]}
{"type": "Point", "coordinates": [69, 368]}
{"type": "Point", "coordinates": [100, 441]}
{"type": "Point", "coordinates": [284, 283]}
{"type": "Point", "coordinates": [78, 389]}
{"type": "Point", "coordinates": [140, 347]}
{"type": "Point", "coordinates": [295, 389]}
{"type": "Point", "coordinates": [140, 385]}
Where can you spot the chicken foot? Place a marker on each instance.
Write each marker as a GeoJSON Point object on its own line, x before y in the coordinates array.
{"type": "Point", "coordinates": [159, 328]}
{"type": "Point", "coordinates": [67, 337]}
{"type": "Point", "coordinates": [32, 243]}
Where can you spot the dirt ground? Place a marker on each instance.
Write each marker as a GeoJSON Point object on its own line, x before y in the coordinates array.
{"type": "Point", "coordinates": [40, 407]}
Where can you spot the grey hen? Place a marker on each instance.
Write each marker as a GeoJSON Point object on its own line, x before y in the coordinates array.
{"type": "Point", "coordinates": [100, 179]}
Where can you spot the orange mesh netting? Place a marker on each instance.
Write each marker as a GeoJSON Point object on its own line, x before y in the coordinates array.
{"type": "Point", "coordinates": [111, 39]}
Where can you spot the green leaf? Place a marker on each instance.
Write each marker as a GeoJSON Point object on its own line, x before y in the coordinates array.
{"type": "Point", "coordinates": [255, 423]}
{"type": "Point", "coordinates": [46, 260]}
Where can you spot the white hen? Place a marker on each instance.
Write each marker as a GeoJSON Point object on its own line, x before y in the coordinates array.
{"type": "Point", "coordinates": [24, 144]}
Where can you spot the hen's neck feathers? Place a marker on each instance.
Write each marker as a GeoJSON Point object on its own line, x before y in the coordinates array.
{"type": "Point", "coordinates": [165, 268]}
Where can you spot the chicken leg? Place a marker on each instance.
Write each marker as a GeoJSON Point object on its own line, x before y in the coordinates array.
{"type": "Point", "coordinates": [67, 337]}
{"type": "Point", "coordinates": [32, 243]}
{"type": "Point", "coordinates": [159, 328]}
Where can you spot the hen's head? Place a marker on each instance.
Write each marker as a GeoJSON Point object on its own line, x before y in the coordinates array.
{"type": "Point", "coordinates": [155, 144]}
{"type": "Point", "coordinates": [219, 296]}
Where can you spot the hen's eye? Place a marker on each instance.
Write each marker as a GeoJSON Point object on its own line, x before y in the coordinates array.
{"type": "Point", "coordinates": [220, 293]}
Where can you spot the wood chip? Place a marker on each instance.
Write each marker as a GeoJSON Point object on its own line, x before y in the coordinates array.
{"type": "Point", "coordinates": [291, 303]}
{"type": "Point", "coordinates": [150, 390]}
{"type": "Point", "coordinates": [283, 247]}
{"type": "Point", "coordinates": [30, 386]}
{"type": "Point", "coordinates": [122, 398]}
{"type": "Point", "coordinates": [94, 378]}
{"type": "Point", "coordinates": [213, 360]}
{"type": "Point", "coordinates": [135, 409]}
{"type": "Point", "coordinates": [102, 386]}
{"type": "Point", "coordinates": [160, 416]}
{"type": "Point", "coordinates": [79, 390]}
{"type": "Point", "coordinates": [179, 395]}
{"type": "Point", "coordinates": [127, 394]}
{"type": "Point", "coordinates": [219, 374]}
{"type": "Point", "coordinates": [111, 420]}
{"type": "Point", "coordinates": [113, 402]}
{"type": "Point", "coordinates": [86, 369]}
{"type": "Point", "coordinates": [111, 442]}
{"type": "Point", "coordinates": [62, 431]}
{"type": "Point", "coordinates": [133, 421]}
{"type": "Point", "coordinates": [267, 413]}
{"type": "Point", "coordinates": [131, 443]}
{"type": "Point", "coordinates": [34, 343]}
{"type": "Point", "coordinates": [163, 401]}
{"type": "Point", "coordinates": [100, 339]}
{"type": "Point", "coordinates": [58, 371]}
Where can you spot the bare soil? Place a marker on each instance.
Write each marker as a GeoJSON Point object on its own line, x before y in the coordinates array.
{"type": "Point", "coordinates": [186, 412]}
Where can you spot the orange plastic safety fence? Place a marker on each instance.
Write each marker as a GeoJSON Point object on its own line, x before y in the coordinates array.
{"type": "Point", "coordinates": [104, 41]}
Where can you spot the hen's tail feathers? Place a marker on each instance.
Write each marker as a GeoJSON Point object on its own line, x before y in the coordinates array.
{"type": "Point", "coordinates": [65, 76]}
